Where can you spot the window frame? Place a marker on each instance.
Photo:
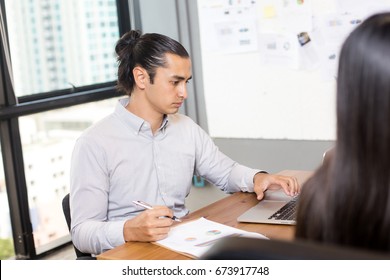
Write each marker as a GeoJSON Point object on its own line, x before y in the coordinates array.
{"type": "Point", "coordinates": [11, 108]}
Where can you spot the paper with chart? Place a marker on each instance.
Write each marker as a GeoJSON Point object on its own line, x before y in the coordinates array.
{"type": "Point", "coordinates": [195, 237]}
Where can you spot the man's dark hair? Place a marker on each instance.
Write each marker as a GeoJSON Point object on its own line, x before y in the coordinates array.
{"type": "Point", "coordinates": [147, 51]}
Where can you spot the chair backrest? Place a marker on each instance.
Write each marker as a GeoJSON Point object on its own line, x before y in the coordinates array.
{"type": "Point", "coordinates": [328, 155]}
{"type": "Point", "coordinates": [240, 248]}
{"type": "Point", "coordinates": [66, 208]}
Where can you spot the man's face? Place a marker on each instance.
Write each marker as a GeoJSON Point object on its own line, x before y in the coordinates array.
{"type": "Point", "coordinates": [169, 88]}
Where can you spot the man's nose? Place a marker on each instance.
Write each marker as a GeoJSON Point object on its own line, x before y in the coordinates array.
{"type": "Point", "coordinates": [183, 91]}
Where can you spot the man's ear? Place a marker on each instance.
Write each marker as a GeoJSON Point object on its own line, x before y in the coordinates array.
{"type": "Point", "coordinates": [140, 77]}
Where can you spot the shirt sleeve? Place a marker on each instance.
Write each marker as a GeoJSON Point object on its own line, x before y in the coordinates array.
{"type": "Point", "coordinates": [89, 186]}
{"type": "Point", "coordinates": [219, 169]}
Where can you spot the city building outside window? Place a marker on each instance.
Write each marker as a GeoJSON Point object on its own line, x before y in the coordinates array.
{"type": "Point", "coordinates": [58, 44]}
{"type": "Point", "coordinates": [57, 48]}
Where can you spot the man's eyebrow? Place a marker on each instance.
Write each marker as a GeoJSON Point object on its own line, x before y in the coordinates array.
{"type": "Point", "coordinates": [181, 77]}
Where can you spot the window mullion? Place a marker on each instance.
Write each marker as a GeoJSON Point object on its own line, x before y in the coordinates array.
{"type": "Point", "coordinates": [16, 189]}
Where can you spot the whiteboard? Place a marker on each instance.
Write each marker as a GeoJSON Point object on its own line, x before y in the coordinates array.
{"type": "Point", "coordinates": [260, 80]}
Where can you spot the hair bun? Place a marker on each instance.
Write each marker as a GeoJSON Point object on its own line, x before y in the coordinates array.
{"type": "Point", "coordinates": [128, 40]}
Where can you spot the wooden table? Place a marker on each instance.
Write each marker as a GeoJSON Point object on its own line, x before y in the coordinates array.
{"type": "Point", "coordinates": [224, 211]}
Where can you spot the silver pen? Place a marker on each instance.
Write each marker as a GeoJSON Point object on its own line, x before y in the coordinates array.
{"type": "Point", "coordinates": [147, 206]}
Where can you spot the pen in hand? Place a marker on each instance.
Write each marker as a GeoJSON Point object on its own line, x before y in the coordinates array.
{"type": "Point", "coordinates": [147, 206]}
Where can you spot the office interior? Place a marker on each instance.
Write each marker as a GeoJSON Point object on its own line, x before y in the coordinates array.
{"type": "Point", "coordinates": [58, 77]}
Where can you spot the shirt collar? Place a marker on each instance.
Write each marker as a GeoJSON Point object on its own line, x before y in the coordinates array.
{"type": "Point", "coordinates": [133, 121]}
{"type": "Point", "coordinates": [164, 123]}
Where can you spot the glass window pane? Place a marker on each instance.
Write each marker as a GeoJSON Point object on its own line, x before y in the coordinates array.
{"type": "Point", "coordinates": [6, 240]}
{"type": "Point", "coordinates": [58, 44]}
{"type": "Point", "coordinates": [47, 140]}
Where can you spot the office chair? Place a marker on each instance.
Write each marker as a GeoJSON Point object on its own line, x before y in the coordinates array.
{"type": "Point", "coordinates": [66, 208]}
{"type": "Point", "coordinates": [328, 155]}
{"type": "Point", "coordinates": [241, 248]}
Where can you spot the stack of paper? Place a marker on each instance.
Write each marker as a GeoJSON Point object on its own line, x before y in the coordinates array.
{"type": "Point", "coordinates": [194, 238]}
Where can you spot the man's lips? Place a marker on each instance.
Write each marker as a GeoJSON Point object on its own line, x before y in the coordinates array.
{"type": "Point", "coordinates": [178, 104]}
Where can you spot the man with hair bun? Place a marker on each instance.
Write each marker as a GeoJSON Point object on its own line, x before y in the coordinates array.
{"type": "Point", "coordinates": [145, 150]}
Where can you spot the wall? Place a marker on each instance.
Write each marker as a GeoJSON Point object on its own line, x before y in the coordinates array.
{"type": "Point", "coordinates": [159, 17]}
{"type": "Point", "coordinates": [260, 80]}
{"type": "Point", "coordinates": [275, 155]}
{"type": "Point", "coordinates": [261, 113]}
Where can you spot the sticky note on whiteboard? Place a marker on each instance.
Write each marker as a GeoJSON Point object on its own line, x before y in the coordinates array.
{"type": "Point", "coordinates": [269, 12]}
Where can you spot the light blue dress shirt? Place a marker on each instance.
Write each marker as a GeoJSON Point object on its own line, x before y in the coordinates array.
{"type": "Point", "coordinates": [119, 160]}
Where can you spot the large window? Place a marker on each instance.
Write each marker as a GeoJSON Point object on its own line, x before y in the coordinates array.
{"type": "Point", "coordinates": [47, 140]}
{"type": "Point", "coordinates": [60, 44]}
{"type": "Point", "coordinates": [58, 76]}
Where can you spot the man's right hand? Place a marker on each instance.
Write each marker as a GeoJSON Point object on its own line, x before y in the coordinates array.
{"type": "Point", "coordinates": [151, 225]}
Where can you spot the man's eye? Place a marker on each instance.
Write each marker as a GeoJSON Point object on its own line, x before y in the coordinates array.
{"type": "Point", "coordinates": [175, 83]}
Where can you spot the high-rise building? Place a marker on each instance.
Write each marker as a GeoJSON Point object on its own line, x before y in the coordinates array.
{"type": "Point", "coordinates": [58, 44]}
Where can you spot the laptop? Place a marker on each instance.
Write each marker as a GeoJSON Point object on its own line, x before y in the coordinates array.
{"type": "Point", "coordinates": [275, 208]}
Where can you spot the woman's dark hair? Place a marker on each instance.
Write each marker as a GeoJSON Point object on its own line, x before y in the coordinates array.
{"type": "Point", "coordinates": [147, 51]}
{"type": "Point", "coordinates": [354, 206]}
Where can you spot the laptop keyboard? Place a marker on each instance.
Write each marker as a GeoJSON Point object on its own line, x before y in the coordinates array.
{"type": "Point", "coordinates": [287, 212]}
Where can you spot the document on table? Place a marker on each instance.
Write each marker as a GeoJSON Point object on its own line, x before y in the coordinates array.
{"type": "Point", "coordinates": [195, 237]}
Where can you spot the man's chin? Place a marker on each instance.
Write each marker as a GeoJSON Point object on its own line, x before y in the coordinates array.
{"type": "Point", "coordinates": [173, 111]}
